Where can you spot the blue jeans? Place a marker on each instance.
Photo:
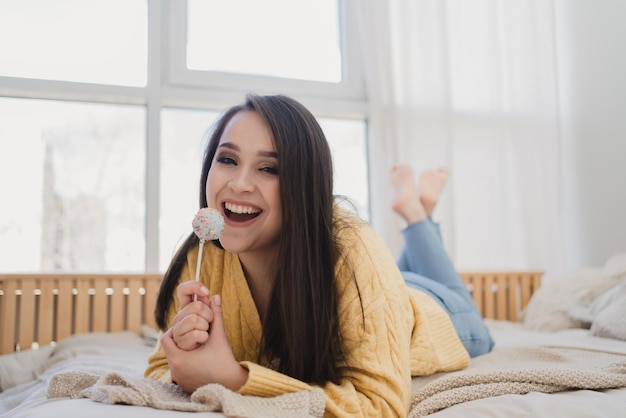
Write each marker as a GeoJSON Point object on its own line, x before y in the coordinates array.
{"type": "Point", "coordinates": [425, 266]}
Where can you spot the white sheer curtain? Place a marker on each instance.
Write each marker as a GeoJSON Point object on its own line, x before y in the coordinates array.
{"type": "Point", "coordinates": [470, 85]}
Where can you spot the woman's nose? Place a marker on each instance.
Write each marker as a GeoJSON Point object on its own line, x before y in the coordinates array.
{"type": "Point", "coordinates": [242, 181]}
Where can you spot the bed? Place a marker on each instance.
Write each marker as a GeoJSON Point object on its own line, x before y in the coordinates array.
{"type": "Point", "coordinates": [76, 342]}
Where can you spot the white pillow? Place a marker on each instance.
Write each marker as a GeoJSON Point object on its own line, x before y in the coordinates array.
{"type": "Point", "coordinates": [616, 265]}
{"type": "Point", "coordinates": [566, 302]}
{"type": "Point", "coordinates": [588, 313]}
{"type": "Point", "coordinates": [95, 353]}
{"type": "Point", "coordinates": [611, 321]}
{"type": "Point", "coordinates": [549, 307]}
{"type": "Point", "coordinates": [18, 368]}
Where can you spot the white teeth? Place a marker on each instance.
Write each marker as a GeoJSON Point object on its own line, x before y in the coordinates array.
{"type": "Point", "coordinates": [241, 209]}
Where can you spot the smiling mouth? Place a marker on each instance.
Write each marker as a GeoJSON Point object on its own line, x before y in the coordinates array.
{"type": "Point", "coordinates": [239, 213]}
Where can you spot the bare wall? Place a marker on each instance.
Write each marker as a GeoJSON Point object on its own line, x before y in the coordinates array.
{"type": "Point", "coordinates": [591, 40]}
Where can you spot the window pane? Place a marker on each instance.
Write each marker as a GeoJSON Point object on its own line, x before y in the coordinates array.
{"type": "Point", "coordinates": [182, 146]}
{"type": "Point", "coordinates": [92, 41]}
{"type": "Point", "coordinates": [281, 38]}
{"type": "Point", "coordinates": [183, 140]}
{"type": "Point", "coordinates": [73, 182]}
{"type": "Point", "coordinates": [348, 144]}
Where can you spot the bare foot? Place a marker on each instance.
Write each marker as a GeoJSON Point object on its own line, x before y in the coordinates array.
{"type": "Point", "coordinates": [431, 184]}
{"type": "Point", "coordinates": [406, 202]}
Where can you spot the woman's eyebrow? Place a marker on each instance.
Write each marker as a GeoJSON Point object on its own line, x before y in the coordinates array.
{"type": "Point", "coordinates": [269, 154]}
{"type": "Point", "coordinates": [228, 145]}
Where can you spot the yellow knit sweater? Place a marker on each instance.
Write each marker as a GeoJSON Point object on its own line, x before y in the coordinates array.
{"type": "Point", "coordinates": [405, 332]}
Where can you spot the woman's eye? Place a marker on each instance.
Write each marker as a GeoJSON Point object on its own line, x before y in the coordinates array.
{"type": "Point", "coordinates": [270, 170]}
{"type": "Point", "coordinates": [226, 160]}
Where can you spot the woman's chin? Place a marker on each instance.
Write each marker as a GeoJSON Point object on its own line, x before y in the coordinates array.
{"type": "Point", "coordinates": [232, 245]}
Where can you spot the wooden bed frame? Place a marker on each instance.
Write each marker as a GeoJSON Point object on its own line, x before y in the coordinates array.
{"type": "Point", "coordinates": [40, 309]}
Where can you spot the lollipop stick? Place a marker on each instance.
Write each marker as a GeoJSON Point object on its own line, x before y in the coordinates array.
{"type": "Point", "coordinates": [195, 296]}
{"type": "Point", "coordinates": [207, 225]}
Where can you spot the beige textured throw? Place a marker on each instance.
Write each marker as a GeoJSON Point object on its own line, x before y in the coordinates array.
{"type": "Point", "coordinates": [519, 370]}
{"type": "Point", "coordinates": [516, 370]}
{"type": "Point", "coordinates": [115, 388]}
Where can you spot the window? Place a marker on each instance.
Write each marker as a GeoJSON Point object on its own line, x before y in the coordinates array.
{"type": "Point", "coordinates": [303, 47]}
{"type": "Point", "coordinates": [72, 40]}
{"type": "Point", "coordinates": [306, 46]}
{"type": "Point", "coordinates": [182, 145]}
{"type": "Point", "coordinates": [73, 182]}
{"type": "Point", "coordinates": [103, 130]}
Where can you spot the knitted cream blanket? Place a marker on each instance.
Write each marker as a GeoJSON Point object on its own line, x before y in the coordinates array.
{"type": "Point", "coordinates": [116, 388]}
{"type": "Point", "coordinates": [519, 370]}
{"type": "Point", "coordinates": [505, 371]}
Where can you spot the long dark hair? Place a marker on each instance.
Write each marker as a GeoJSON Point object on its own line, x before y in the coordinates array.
{"type": "Point", "coordinates": [301, 324]}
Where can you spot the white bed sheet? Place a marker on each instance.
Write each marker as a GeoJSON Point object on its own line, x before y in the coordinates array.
{"type": "Point", "coordinates": [127, 353]}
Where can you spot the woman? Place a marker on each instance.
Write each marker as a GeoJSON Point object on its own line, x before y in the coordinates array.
{"type": "Point", "coordinates": [297, 293]}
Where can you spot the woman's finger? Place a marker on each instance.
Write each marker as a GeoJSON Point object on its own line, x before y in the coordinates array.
{"type": "Point", "coordinates": [190, 332]}
{"type": "Point", "coordinates": [187, 290]}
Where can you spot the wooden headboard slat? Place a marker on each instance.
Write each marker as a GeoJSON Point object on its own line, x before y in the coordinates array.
{"type": "Point", "coordinates": [116, 315]}
{"type": "Point", "coordinates": [501, 298]}
{"type": "Point", "coordinates": [8, 307]}
{"type": "Point", "coordinates": [82, 307]}
{"type": "Point", "coordinates": [100, 305]}
{"type": "Point", "coordinates": [26, 312]}
{"type": "Point", "coordinates": [134, 307]}
{"type": "Point", "coordinates": [489, 303]}
{"type": "Point", "coordinates": [63, 309]}
{"type": "Point", "coordinates": [45, 321]}
{"type": "Point", "coordinates": [152, 288]}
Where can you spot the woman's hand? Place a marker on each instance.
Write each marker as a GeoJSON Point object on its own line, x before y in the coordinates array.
{"type": "Point", "coordinates": [210, 362]}
{"type": "Point", "coordinates": [191, 324]}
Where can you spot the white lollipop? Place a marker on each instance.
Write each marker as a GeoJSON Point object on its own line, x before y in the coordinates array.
{"type": "Point", "coordinates": [208, 224]}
